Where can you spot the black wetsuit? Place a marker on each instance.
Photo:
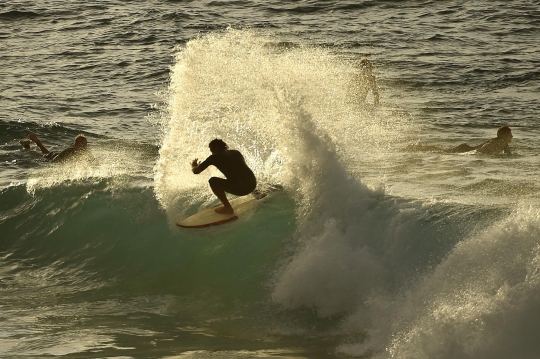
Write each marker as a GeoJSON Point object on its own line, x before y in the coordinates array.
{"type": "Point", "coordinates": [240, 179]}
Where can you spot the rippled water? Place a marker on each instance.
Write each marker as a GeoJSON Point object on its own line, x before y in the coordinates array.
{"type": "Point", "coordinates": [362, 250]}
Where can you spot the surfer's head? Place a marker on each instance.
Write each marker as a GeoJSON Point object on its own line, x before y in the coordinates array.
{"type": "Point", "coordinates": [504, 132]}
{"type": "Point", "coordinates": [365, 64]}
{"type": "Point", "coordinates": [80, 141]}
{"type": "Point", "coordinates": [217, 145]}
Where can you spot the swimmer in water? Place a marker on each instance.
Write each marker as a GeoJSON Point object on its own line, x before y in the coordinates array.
{"type": "Point", "coordinates": [79, 147]}
{"type": "Point", "coordinates": [366, 81]}
{"type": "Point", "coordinates": [493, 146]}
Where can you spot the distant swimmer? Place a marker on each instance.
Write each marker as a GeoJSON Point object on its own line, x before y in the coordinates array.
{"type": "Point", "coordinates": [494, 146]}
{"type": "Point", "coordinates": [366, 81]}
{"type": "Point", "coordinates": [239, 181]}
{"type": "Point", "coordinates": [79, 147]}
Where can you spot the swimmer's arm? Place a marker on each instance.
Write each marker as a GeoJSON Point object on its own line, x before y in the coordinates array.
{"type": "Point", "coordinates": [375, 90]}
{"type": "Point", "coordinates": [507, 149]}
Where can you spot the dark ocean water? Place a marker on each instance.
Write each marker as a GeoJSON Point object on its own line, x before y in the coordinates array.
{"type": "Point", "coordinates": [361, 249]}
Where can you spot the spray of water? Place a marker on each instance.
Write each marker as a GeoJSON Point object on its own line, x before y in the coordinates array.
{"type": "Point", "coordinates": [289, 111]}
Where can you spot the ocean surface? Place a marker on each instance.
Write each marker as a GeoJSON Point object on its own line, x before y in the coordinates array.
{"type": "Point", "coordinates": [361, 249]}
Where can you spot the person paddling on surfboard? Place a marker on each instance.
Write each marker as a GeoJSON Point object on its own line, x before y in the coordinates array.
{"type": "Point", "coordinates": [492, 147]}
{"type": "Point", "coordinates": [240, 179]}
{"type": "Point", "coordinates": [79, 147]}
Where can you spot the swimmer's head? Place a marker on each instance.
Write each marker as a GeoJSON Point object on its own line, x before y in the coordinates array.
{"type": "Point", "coordinates": [364, 63]}
{"type": "Point", "coordinates": [217, 145]}
{"type": "Point", "coordinates": [504, 132]}
{"type": "Point", "coordinates": [80, 141]}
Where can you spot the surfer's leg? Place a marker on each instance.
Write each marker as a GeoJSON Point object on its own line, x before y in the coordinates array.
{"type": "Point", "coordinates": [36, 140]}
{"type": "Point", "coordinates": [418, 148]}
{"type": "Point", "coordinates": [216, 184]}
{"type": "Point", "coordinates": [462, 148]}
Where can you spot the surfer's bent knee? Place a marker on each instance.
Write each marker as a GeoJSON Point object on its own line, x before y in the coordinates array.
{"type": "Point", "coordinates": [214, 181]}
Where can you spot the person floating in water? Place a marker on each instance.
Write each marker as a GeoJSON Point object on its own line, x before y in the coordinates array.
{"type": "Point", "coordinates": [494, 146]}
{"type": "Point", "coordinates": [79, 147]}
{"type": "Point", "coordinates": [366, 81]}
{"type": "Point", "coordinates": [239, 181]}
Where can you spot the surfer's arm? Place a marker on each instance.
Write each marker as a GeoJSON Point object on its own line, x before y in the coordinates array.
{"type": "Point", "coordinates": [195, 166]}
{"type": "Point", "coordinates": [198, 167]}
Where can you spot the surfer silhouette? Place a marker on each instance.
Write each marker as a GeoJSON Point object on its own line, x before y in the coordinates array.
{"type": "Point", "coordinates": [79, 147]}
{"type": "Point", "coordinates": [239, 181]}
{"type": "Point", "coordinates": [366, 81]}
{"type": "Point", "coordinates": [493, 146]}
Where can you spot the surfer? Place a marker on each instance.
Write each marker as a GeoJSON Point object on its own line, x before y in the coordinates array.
{"type": "Point", "coordinates": [493, 146]}
{"type": "Point", "coordinates": [239, 181]}
{"type": "Point", "coordinates": [366, 81]}
{"type": "Point", "coordinates": [79, 147]}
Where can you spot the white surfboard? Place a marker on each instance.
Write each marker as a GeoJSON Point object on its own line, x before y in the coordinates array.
{"type": "Point", "coordinates": [209, 217]}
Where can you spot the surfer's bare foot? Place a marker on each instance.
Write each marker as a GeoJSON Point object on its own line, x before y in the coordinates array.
{"type": "Point", "coordinates": [33, 137]}
{"type": "Point", "coordinates": [25, 144]}
{"type": "Point", "coordinates": [225, 210]}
